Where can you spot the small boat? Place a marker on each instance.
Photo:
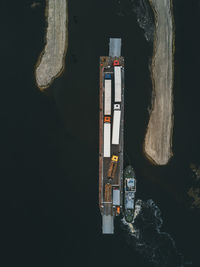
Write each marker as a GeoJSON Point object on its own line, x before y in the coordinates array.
{"type": "Point", "coordinates": [129, 193]}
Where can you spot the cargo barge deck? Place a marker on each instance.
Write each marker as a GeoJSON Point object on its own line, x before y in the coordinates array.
{"type": "Point", "coordinates": [111, 140]}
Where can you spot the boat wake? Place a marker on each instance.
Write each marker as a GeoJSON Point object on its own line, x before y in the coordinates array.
{"type": "Point", "coordinates": [145, 19]}
{"type": "Point", "coordinates": [144, 14]}
{"type": "Point", "coordinates": [146, 237]}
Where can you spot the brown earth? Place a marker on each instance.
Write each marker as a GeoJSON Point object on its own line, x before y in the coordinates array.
{"type": "Point", "coordinates": [158, 139]}
{"type": "Point", "coordinates": [51, 61]}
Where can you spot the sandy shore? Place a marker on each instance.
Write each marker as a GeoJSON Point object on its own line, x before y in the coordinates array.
{"type": "Point", "coordinates": [158, 139]}
{"type": "Point", "coordinates": [51, 61]}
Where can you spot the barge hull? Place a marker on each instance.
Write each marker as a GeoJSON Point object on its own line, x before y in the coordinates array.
{"type": "Point", "coordinates": [109, 209]}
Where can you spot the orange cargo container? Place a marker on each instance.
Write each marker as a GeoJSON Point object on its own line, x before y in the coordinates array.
{"type": "Point", "coordinates": [118, 210]}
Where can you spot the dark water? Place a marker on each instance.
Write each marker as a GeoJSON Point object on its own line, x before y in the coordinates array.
{"type": "Point", "coordinates": [49, 141]}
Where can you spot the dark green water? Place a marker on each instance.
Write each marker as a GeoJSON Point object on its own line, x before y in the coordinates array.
{"type": "Point", "coordinates": [49, 141]}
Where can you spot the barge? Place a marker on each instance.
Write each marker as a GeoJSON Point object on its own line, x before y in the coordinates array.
{"type": "Point", "coordinates": [111, 135]}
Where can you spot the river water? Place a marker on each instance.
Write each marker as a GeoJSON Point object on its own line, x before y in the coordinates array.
{"type": "Point", "coordinates": [49, 141]}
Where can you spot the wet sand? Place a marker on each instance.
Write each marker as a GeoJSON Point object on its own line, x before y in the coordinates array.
{"type": "Point", "coordinates": [158, 139]}
{"type": "Point", "coordinates": [51, 61]}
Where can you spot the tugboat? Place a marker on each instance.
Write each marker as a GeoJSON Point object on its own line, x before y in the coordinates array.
{"type": "Point", "coordinates": [129, 193]}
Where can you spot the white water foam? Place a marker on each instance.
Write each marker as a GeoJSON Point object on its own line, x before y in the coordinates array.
{"type": "Point", "coordinates": [146, 237]}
